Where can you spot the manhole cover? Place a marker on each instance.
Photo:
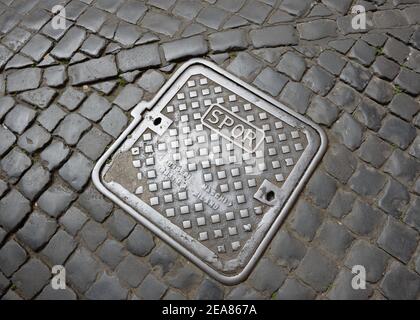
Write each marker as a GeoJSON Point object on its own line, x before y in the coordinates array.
{"type": "Point", "coordinates": [212, 166]}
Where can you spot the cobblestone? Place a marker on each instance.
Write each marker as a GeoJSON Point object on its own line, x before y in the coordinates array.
{"type": "Point", "coordinates": [12, 256]}
{"type": "Point", "coordinates": [34, 181]}
{"type": "Point", "coordinates": [19, 118]}
{"type": "Point", "coordinates": [363, 219]}
{"type": "Point", "coordinates": [54, 155]}
{"type": "Point", "coordinates": [140, 242]}
{"type": "Point", "coordinates": [292, 65]}
{"type": "Point", "coordinates": [151, 288]}
{"type": "Point", "coordinates": [76, 171]}
{"type": "Point", "coordinates": [40, 98]}
{"type": "Point", "coordinates": [349, 131]}
{"type": "Point", "coordinates": [59, 248]}
{"type": "Point", "coordinates": [72, 127]}
{"type": "Point", "coordinates": [107, 288]}
{"type": "Point", "coordinates": [400, 283]}
{"type": "Point", "coordinates": [25, 79]}
{"type": "Point", "coordinates": [296, 96]}
{"type": "Point", "coordinates": [138, 58]}
{"type": "Point", "coordinates": [267, 277]}
{"type": "Point", "coordinates": [25, 281]}
{"type": "Point", "coordinates": [306, 220]}
{"type": "Point", "coordinates": [13, 209]}
{"type": "Point", "coordinates": [274, 36]}
{"type": "Point", "coordinates": [292, 289]}
{"type": "Point", "coordinates": [56, 199]}
{"type": "Point", "coordinates": [132, 271]}
{"type": "Point", "coordinates": [93, 70]}
{"type": "Point", "coordinates": [34, 139]}
{"type": "Point", "coordinates": [343, 290]}
{"type": "Point", "coordinates": [397, 131]}
{"type": "Point", "coordinates": [82, 269]}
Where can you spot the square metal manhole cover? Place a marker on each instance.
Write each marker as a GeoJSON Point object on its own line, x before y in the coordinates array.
{"type": "Point", "coordinates": [212, 166]}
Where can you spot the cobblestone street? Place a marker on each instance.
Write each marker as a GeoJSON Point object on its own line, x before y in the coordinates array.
{"type": "Point", "coordinates": [66, 96]}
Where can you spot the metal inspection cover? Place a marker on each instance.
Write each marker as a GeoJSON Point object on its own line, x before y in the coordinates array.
{"type": "Point", "coordinates": [212, 166]}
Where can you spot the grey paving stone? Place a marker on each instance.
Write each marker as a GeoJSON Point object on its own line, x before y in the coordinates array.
{"type": "Point", "coordinates": [106, 87]}
{"type": "Point", "coordinates": [56, 199]}
{"type": "Point", "coordinates": [40, 98]}
{"type": "Point", "coordinates": [367, 181]}
{"type": "Point", "coordinates": [344, 97]}
{"type": "Point", "coordinates": [19, 118]}
{"type": "Point", "coordinates": [120, 224]}
{"type": "Point", "coordinates": [306, 219]}
{"type": "Point", "coordinates": [322, 111]}
{"type": "Point", "coordinates": [6, 104]}
{"type": "Point", "coordinates": [274, 36]}
{"type": "Point", "coordinates": [373, 259]}
{"type": "Point", "coordinates": [95, 204]}
{"type": "Point", "coordinates": [93, 46]}
{"type": "Point", "coordinates": [270, 81]}
{"type": "Point", "coordinates": [413, 60]}
{"type": "Point", "coordinates": [363, 219]}
{"type": "Point", "coordinates": [94, 143]}
{"type": "Point", "coordinates": [3, 188]}
{"type": "Point", "coordinates": [37, 230]}
{"type": "Point", "coordinates": [396, 50]}
{"type": "Point", "coordinates": [138, 58]}
{"type": "Point", "coordinates": [174, 295]}
{"type": "Point", "coordinates": [92, 19]}
{"type": "Point", "coordinates": [292, 65]}
{"type": "Point", "coordinates": [15, 163]}
{"type": "Point", "coordinates": [132, 271]}
{"type": "Point", "coordinates": [234, 22]}
{"type": "Point", "coordinates": [342, 288]}
{"type": "Point", "coordinates": [4, 284]}
{"type": "Point", "coordinates": [15, 39]}
{"type": "Point", "coordinates": [380, 90]}
{"type": "Point", "coordinates": [355, 75]}
{"type": "Point", "coordinates": [12, 256]}
{"type": "Point", "coordinates": [161, 23]}
{"type": "Point", "coordinates": [228, 41]}
{"type": "Point", "coordinates": [370, 114]}
{"type": "Point", "coordinates": [140, 242]}
{"type": "Point", "coordinates": [93, 235]}
{"type": "Point", "coordinates": [37, 47]}
{"type": "Point", "coordinates": [209, 290]}
{"type": "Point", "coordinates": [163, 258]}
{"type": "Point", "coordinates": [7, 139]}
{"type": "Point", "coordinates": [25, 79]}
{"type": "Point", "coordinates": [114, 122]}
{"type": "Point", "coordinates": [5, 55]}
{"type": "Point", "coordinates": [74, 9]}
{"type": "Point", "coordinates": [296, 96]}
{"type": "Point", "coordinates": [400, 283]}
{"type": "Point", "coordinates": [267, 276]}
{"type": "Point", "coordinates": [317, 270]}
{"type": "Point", "coordinates": [25, 281]}
{"type": "Point", "coordinates": [71, 98]}
{"type": "Point", "coordinates": [93, 70]}
{"type": "Point", "coordinates": [189, 9]}
{"type": "Point", "coordinates": [69, 44]}
{"type": "Point", "coordinates": [374, 151]}
{"type": "Point", "coordinates": [50, 117]}
{"type": "Point", "coordinates": [409, 81]}
{"type": "Point", "coordinates": [34, 181]}
{"type": "Point", "coordinates": [131, 11]}
{"type": "Point", "coordinates": [34, 139]}
{"type": "Point", "coordinates": [339, 6]}
{"type": "Point", "coordinates": [296, 8]}
{"type": "Point", "coordinates": [127, 34]}
{"type": "Point", "coordinates": [255, 11]}
{"type": "Point", "coordinates": [243, 292]}
{"type": "Point", "coordinates": [292, 289]}
{"type": "Point", "coordinates": [349, 131]}
{"type": "Point", "coordinates": [404, 106]}
{"type": "Point", "coordinates": [412, 217]}
{"type": "Point", "coordinates": [82, 269]}
{"type": "Point", "coordinates": [385, 68]}
{"type": "Point", "coordinates": [363, 53]}
{"type": "Point", "coordinates": [76, 171]}
{"type": "Point", "coordinates": [317, 29]}
{"type": "Point", "coordinates": [48, 293]}
{"type": "Point", "coordinates": [342, 45]}
{"type": "Point", "coordinates": [54, 155]}
{"type": "Point", "coordinates": [151, 288]}
{"type": "Point", "coordinates": [397, 132]}
{"type": "Point", "coordinates": [318, 80]}
{"type": "Point", "coordinates": [188, 47]}
{"type": "Point", "coordinates": [184, 278]}
{"type": "Point", "coordinates": [151, 81]}
{"type": "Point", "coordinates": [129, 97]}
{"type": "Point", "coordinates": [108, 5]}
{"type": "Point", "coordinates": [341, 204]}
{"type": "Point", "coordinates": [331, 61]}
{"type": "Point", "coordinates": [94, 107]}
{"type": "Point", "coordinates": [394, 198]}
{"type": "Point", "coordinates": [287, 250]}
{"type": "Point", "coordinates": [334, 238]}
{"type": "Point", "coordinates": [212, 17]}
{"type": "Point", "coordinates": [73, 220]}
{"type": "Point", "coordinates": [321, 189]}
{"type": "Point", "coordinates": [72, 128]}
{"type": "Point", "coordinates": [55, 33]}
{"type": "Point", "coordinates": [415, 148]}
{"type": "Point", "coordinates": [111, 252]}
{"type": "Point", "coordinates": [13, 210]}
{"type": "Point", "coordinates": [401, 166]}
{"type": "Point", "coordinates": [59, 248]}
{"type": "Point", "coordinates": [107, 288]}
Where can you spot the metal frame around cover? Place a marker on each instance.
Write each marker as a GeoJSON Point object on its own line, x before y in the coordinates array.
{"type": "Point", "coordinates": [143, 106]}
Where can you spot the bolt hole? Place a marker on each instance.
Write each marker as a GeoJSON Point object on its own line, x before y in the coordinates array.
{"type": "Point", "coordinates": [157, 121]}
{"type": "Point", "coordinates": [270, 195]}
